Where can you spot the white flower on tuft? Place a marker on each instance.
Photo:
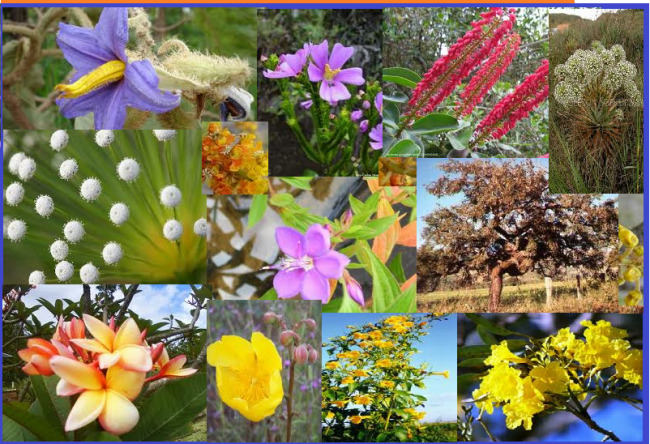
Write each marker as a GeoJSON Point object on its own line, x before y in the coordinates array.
{"type": "Point", "coordinates": [74, 231]}
{"type": "Point", "coordinates": [90, 189]}
{"type": "Point", "coordinates": [119, 213]}
{"type": "Point", "coordinates": [201, 227]}
{"type": "Point", "coordinates": [163, 135]}
{"type": "Point", "coordinates": [112, 253]}
{"type": "Point", "coordinates": [14, 194]}
{"type": "Point", "coordinates": [59, 140]}
{"type": "Point", "coordinates": [14, 162]}
{"type": "Point", "coordinates": [172, 230]}
{"type": "Point", "coordinates": [44, 205]}
{"type": "Point", "coordinates": [6, 220]}
{"type": "Point", "coordinates": [68, 169]}
{"type": "Point", "coordinates": [59, 250]}
{"type": "Point", "coordinates": [170, 196]}
{"type": "Point", "coordinates": [36, 278]}
{"type": "Point", "coordinates": [16, 230]}
{"type": "Point", "coordinates": [27, 168]}
{"type": "Point", "coordinates": [64, 270]}
{"type": "Point", "coordinates": [128, 169]}
{"type": "Point", "coordinates": [89, 274]}
{"type": "Point", "coordinates": [104, 138]}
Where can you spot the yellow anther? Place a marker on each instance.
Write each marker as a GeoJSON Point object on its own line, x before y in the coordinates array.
{"type": "Point", "coordinates": [330, 73]}
{"type": "Point", "coordinates": [107, 73]}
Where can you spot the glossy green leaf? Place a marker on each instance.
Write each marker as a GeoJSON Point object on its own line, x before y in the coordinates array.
{"type": "Point", "coordinates": [396, 97]}
{"type": "Point", "coordinates": [473, 351]}
{"type": "Point", "coordinates": [391, 115]}
{"type": "Point", "coordinates": [406, 302]}
{"type": "Point", "coordinates": [468, 378]}
{"type": "Point", "coordinates": [487, 337]}
{"type": "Point", "coordinates": [37, 425]}
{"type": "Point", "coordinates": [257, 209]}
{"type": "Point", "coordinates": [472, 362]}
{"type": "Point", "coordinates": [384, 286]}
{"type": "Point", "coordinates": [102, 436]}
{"type": "Point", "coordinates": [302, 183]}
{"type": "Point", "coordinates": [53, 407]}
{"type": "Point", "coordinates": [404, 148]}
{"type": "Point", "coordinates": [434, 123]}
{"type": "Point", "coordinates": [401, 76]}
{"type": "Point", "coordinates": [460, 139]}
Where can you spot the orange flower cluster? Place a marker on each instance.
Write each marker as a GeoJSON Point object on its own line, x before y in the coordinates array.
{"type": "Point", "coordinates": [234, 163]}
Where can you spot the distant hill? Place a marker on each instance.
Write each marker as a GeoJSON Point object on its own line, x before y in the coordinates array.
{"type": "Point", "coordinates": [557, 19]}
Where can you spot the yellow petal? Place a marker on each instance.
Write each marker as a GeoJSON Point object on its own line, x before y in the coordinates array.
{"type": "Point", "coordinates": [107, 360]}
{"type": "Point", "coordinates": [135, 357]}
{"type": "Point", "coordinates": [87, 408]}
{"type": "Point", "coordinates": [268, 358]}
{"type": "Point", "coordinates": [91, 345]}
{"type": "Point", "coordinates": [77, 373]}
{"type": "Point", "coordinates": [128, 334]}
{"type": "Point", "coordinates": [231, 351]}
{"type": "Point", "coordinates": [126, 382]}
{"type": "Point", "coordinates": [100, 331]}
{"type": "Point", "coordinates": [119, 415]}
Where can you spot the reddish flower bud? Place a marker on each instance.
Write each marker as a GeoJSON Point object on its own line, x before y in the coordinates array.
{"type": "Point", "coordinates": [269, 317]}
{"type": "Point", "coordinates": [289, 337]}
{"type": "Point", "coordinates": [310, 323]}
{"type": "Point", "coordinates": [313, 355]}
{"type": "Point", "coordinates": [301, 354]}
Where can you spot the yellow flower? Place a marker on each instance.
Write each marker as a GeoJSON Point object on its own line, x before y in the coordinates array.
{"type": "Point", "coordinates": [501, 353]}
{"type": "Point", "coordinates": [375, 334]}
{"type": "Point", "coordinates": [248, 374]}
{"type": "Point", "coordinates": [383, 344]}
{"type": "Point", "coordinates": [395, 319]}
{"type": "Point", "coordinates": [564, 340]}
{"type": "Point", "coordinates": [360, 336]}
{"type": "Point", "coordinates": [330, 415]}
{"type": "Point", "coordinates": [550, 379]}
{"type": "Point", "coordinates": [482, 400]}
{"type": "Point", "coordinates": [502, 382]}
{"type": "Point", "coordinates": [356, 419]}
{"type": "Point", "coordinates": [349, 355]}
{"type": "Point", "coordinates": [332, 365]}
{"type": "Point", "coordinates": [384, 363]}
{"type": "Point", "coordinates": [363, 400]}
{"type": "Point", "coordinates": [521, 409]}
{"type": "Point", "coordinates": [603, 346]}
{"type": "Point", "coordinates": [630, 367]}
{"type": "Point", "coordinates": [359, 373]}
{"type": "Point", "coordinates": [387, 384]}
{"type": "Point", "coordinates": [365, 344]}
{"type": "Point", "coordinates": [340, 404]}
{"type": "Point", "coordinates": [347, 380]}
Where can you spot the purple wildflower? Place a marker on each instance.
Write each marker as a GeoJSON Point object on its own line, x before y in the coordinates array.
{"type": "Point", "coordinates": [289, 65]}
{"type": "Point", "coordinates": [356, 115]}
{"type": "Point", "coordinates": [106, 82]}
{"type": "Point", "coordinates": [363, 126]}
{"type": "Point", "coordinates": [355, 291]}
{"type": "Point", "coordinates": [376, 137]}
{"type": "Point", "coordinates": [327, 69]}
{"type": "Point", "coordinates": [306, 104]}
{"type": "Point", "coordinates": [308, 264]}
{"type": "Point", "coordinates": [379, 102]}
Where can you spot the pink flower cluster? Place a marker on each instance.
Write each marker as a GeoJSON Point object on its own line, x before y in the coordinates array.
{"type": "Point", "coordinates": [463, 56]}
{"type": "Point", "coordinates": [514, 107]}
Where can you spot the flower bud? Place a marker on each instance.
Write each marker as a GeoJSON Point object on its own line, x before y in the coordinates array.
{"type": "Point", "coordinates": [301, 354]}
{"type": "Point", "coordinates": [347, 219]}
{"type": "Point", "coordinates": [289, 337]}
{"type": "Point", "coordinates": [310, 323]}
{"type": "Point", "coordinates": [363, 126]}
{"type": "Point", "coordinates": [356, 115]}
{"type": "Point", "coordinates": [313, 355]}
{"type": "Point", "coordinates": [366, 104]}
{"type": "Point", "coordinates": [355, 291]}
{"type": "Point", "coordinates": [632, 274]}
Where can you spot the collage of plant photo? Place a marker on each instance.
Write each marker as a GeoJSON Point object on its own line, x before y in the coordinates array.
{"type": "Point", "coordinates": [256, 224]}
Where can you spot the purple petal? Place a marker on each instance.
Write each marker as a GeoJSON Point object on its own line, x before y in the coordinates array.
{"type": "Point", "coordinates": [363, 126]}
{"type": "Point", "coordinates": [331, 264]}
{"type": "Point", "coordinates": [353, 76]}
{"type": "Point", "coordinates": [111, 113]}
{"type": "Point", "coordinates": [355, 292]}
{"type": "Point", "coordinates": [379, 101]}
{"type": "Point", "coordinates": [288, 283]}
{"type": "Point", "coordinates": [317, 240]}
{"type": "Point", "coordinates": [315, 287]}
{"type": "Point", "coordinates": [112, 31]}
{"type": "Point", "coordinates": [290, 241]}
{"type": "Point", "coordinates": [340, 55]}
{"type": "Point", "coordinates": [333, 91]}
{"type": "Point", "coordinates": [319, 54]}
{"type": "Point", "coordinates": [307, 104]}
{"type": "Point", "coordinates": [142, 89]}
{"type": "Point", "coordinates": [356, 115]}
{"type": "Point", "coordinates": [315, 73]}
{"type": "Point", "coordinates": [376, 137]}
{"type": "Point", "coordinates": [278, 74]}
{"type": "Point", "coordinates": [295, 63]}
{"type": "Point", "coordinates": [80, 106]}
{"type": "Point", "coordinates": [80, 48]}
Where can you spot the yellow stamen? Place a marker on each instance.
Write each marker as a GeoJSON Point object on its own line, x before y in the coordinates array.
{"type": "Point", "coordinates": [107, 73]}
{"type": "Point", "coordinates": [330, 73]}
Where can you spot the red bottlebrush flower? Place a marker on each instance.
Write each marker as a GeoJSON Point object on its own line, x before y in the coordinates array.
{"type": "Point", "coordinates": [488, 74]}
{"type": "Point", "coordinates": [513, 107]}
{"type": "Point", "coordinates": [463, 56]}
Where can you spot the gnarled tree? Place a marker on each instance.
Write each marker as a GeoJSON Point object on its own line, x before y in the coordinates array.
{"type": "Point", "coordinates": [508, 223]}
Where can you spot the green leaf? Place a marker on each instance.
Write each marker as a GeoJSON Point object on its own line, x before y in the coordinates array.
{"type": "Point", "coordinates": [460, 139]}
{"type": "Point", "coordinates": [37, 425]}
{"type": "Point", "coordinates": [281, 199]}
{"type": "Point", "coordinates": [516, 344]}
{"type": "Point", "coordinates": [391, 115]}
{"type": "Point", "coordinates": [371, 230]}
{"type": "Point", "coordinates": [355, 204]}
{"type": "Point", "coordinates": [467, 378]}
{"type": "Point", "coordinates": [405, 302]}
{"type": "Point", "coordinates": [404, 148]}
{"type": "Point", "coordinates": [384, 286]}
{"type": "Point", "coordinates": [472, 362]}
{"type": "Point", "coordinates": [270, 295]}
{"type": "Point", "coordinates": [473, 351]}
{"type": "Point", "coordinates": [434, 123]}
{"type": "Point", "coordinates": [53, 407]}
{"type": "Point", "coordinates": [396, 97]}
{"type": "Point", "coordinates": [395, 266]}
{"type": "Point", "coordinates": [488, 325]}
{"type": "Point", "coordinates": [348, 305]}
{"type": "Point", "coordinates": [169, 408]}
{"type": "Point", "coordinates": [14, 432]}
{"type": "Point", "coordinates": [302, 183]}
{"type": "Point", "coordinates": [486, 336]}
{"type": "Point", "coordinates": [401, 76]}
{"type": "Point", "coordinates": [102, 436]}
{"type": "Point", "coordinates": [257, 210]}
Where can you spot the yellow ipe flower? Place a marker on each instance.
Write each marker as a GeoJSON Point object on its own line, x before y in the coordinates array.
{"type": "Point", "coordinates": [501, 353]}
{"type": "Point", "coordinates": [248, 374]}
{"type": "Point", "coordinates": [550, 379]}
{"type": "Point", "coordinates": [363, 400]}
{"type": "Point", "coordinates": [332, 365]}
{"type": "Point", "coordinates": [384, 363]}
{"type": "Point", "coordinates": [395, 319]}
{"type": "Point", "coordinates": [633, 298]}
{"type": "Point", "coordinates": [630, 367]}
{"type": "Point", "coordinates": [604, 343]}
{"type": "Point", "coordinates": [520, 410]}
{"type": "Point", "coordinates": [387, 384]}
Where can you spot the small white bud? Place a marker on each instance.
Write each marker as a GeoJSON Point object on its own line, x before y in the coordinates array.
{"type": "Point", "coordinates": [14, 162]}
{"type": "Point", "coordinates": [128, 170]}
{"type": "Point", "coordinates": [44, 205]}
{"type": "Point", "coordinates": [104, 138]}
{"type": "Point", "coordinates": [74, 231]}
{"type": "Point", "coordinates": [36, 278]}
{"type": "Point", "coordinates": [90, 189]}
{"type": "Point", "coordinates": [59, 250]}
{"type": "Point", "coordinates": [27, 168]}
{"type": "Point", "coordinates": [173, 230]}
{"type": "Point", "coordinates": [59, 140]}
{"type": "Point", "coordinates": [163, 135]}
{"type": "Point", "coordinates": [119, 213]}
{"type": "Point", "coordinates": [14, 194]}
{"type": "Point", "coordinates": [64, 270]}
{"type": "Point", "coordinates": [170, 196]}
{"type": "Point", "coordinates": [16, 230]}
{"type": "Point", "coordinates": [68, 169]}
{"type": "Point", "coordinates": [89, 274]}
{"type": "Point", "coordinates": [201, 227]}
{"type": "Point", "coordinates": [112, 253]}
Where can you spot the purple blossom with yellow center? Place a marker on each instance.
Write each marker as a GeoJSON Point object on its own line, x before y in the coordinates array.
{"type": "Point", "coordinates": [376, 137]}
{"type": "Point", "coordinates": [308, 263]}
{"type": "Point", "coordinates": [327, 69]}
{"type": "Point", "coordinates": [106, 82]}
{"type": "Point", "coordinates": [290, 65]}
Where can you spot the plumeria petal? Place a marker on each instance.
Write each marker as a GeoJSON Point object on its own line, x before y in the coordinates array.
{"type": "Point", "coordinates": [126, 382]}
{"type": "Point", "coordinates": [142, 92]}
{"type": "Point", "coordinates": [41, 346]}
{"type": "Point", "coordinates": [128, 334]}
{"type": "Point", "coordinates": [340, 55]}
{"type": "Point", "coordinates": [135, 357]}
{"type": "Point", "coordinates": [119, 415]}
{"type": "Point", "coordinates": [112, 31]}
{"type": "Point", "coordinates": [100, 331]}
{"type": "Point", "coordinates": [290, 241]}
{"type": "Point", "coordinates": [77, 373]}
{"type": "Point", "coordinates": [287, 283]}
{"type": "Point", "coordinates": [92, 345]}
{"type": "Point", "coordinates": [315, 287]}
{"type": "Point", "coordinates": [317, 240]}
{"type": "Point", "coordinates": [107, 360]}
{"type": "Point", "coordinates": [88, 407]}
{"type": "Point", "coordinates": [319, 54]}
{"type": "Point", "coordinates": [353, 76]}
{"type": "Point", "coordinates": [42, 365]}
{"type": "Point", "coordinates": [79, 46]}
{"type": "Point", "coordinates": [331, 264]}
{"type": "Point", "coordinates": [64, 388]}
{"type": "Point", "coordinates": [29, 369]}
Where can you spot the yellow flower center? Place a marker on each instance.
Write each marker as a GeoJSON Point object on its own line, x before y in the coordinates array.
{"type": "Point", "coordinates": [253, 387]}
{"type": "Point", "coordinates": [330, 73]}
{"type": "Point", "coordinates": [107, 73]}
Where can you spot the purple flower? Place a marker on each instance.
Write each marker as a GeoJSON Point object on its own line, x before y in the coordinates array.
{"type": "Point", "coordinates": [355, 291]}
{"type": "Point", "coordinates": [376, 137]}
{"type": "Point", "coordinates": [105, 82]}
{"type": "Point", "coordinates": [306, 104]}
{"type": "Point", "coordinates": [289, 65]}
{"type": "Point", "coordinates": [356, 115]}
{"type": "Point", "coordinates": [308, 264]}
{"type": "Point", "coordinates": [379, 102]}
{"type": "Point", "coordinates": [363, 126]}
{"type": "Point", "coordinates": [327, 69]}
{"type": "Point", "coordinates": [365, 104]}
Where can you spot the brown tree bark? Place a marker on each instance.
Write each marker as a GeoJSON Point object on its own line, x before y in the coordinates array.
{"type": "Point", "coordinates": [496, 286]}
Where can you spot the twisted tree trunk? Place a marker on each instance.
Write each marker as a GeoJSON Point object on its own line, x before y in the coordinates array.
{"type": "Point", "coordinates": [496, 286]}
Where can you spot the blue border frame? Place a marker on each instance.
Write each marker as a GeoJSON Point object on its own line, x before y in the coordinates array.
{"type": "Point", "coordinates": [646, 203]}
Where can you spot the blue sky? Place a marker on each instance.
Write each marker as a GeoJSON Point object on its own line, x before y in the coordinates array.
{"type": "Point", "coordinates": [438, 349]}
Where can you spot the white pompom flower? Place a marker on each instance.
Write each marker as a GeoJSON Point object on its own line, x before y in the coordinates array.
{"type": "Point", "coordinates": [36, 277]}
{"type": "Point", "coordinates": [14, 194]}
{"type": "Point", "coordinates": [128, 169]}
{"type": "Point", "coordinates": [6, 220]}
{"type": "Point", "coordinates": [59, 140]}
{"type": "Point", "coordinates": [74, 231]}
{"type": "Point", "coordinates": [201, 227]}
{"type": "Point", "coordinates": [27, 168]}
{"type": "Point", "coordinates": [14, 162]}
{"type": "Point", "coordinates": [112, 253]}
{"type": "Point", "coordinates": [68, 169]}
{"type": "Point", "coordinates": [104, 138]}
{"type": "Point", "coordinates": [16, 230]}
{"type": "Point", "coordinates": [119, 213]}
{"type": "Point", "coordinates": [89, 274]}
{"type": "Point", "coordinates": [172, 230]}
{"type": "Point", "coordinates": [163, 135]}
{"type": "Point", "coordinates": [44, 205]}
{"type": "Point", "coordinates": [90, 189]}
{"type": "Point", "coordinates": [170, 196]}
{"type": "Point", "coordinates": [59, 250]}
{"type": "Point", "coordinates": [64, 270]}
